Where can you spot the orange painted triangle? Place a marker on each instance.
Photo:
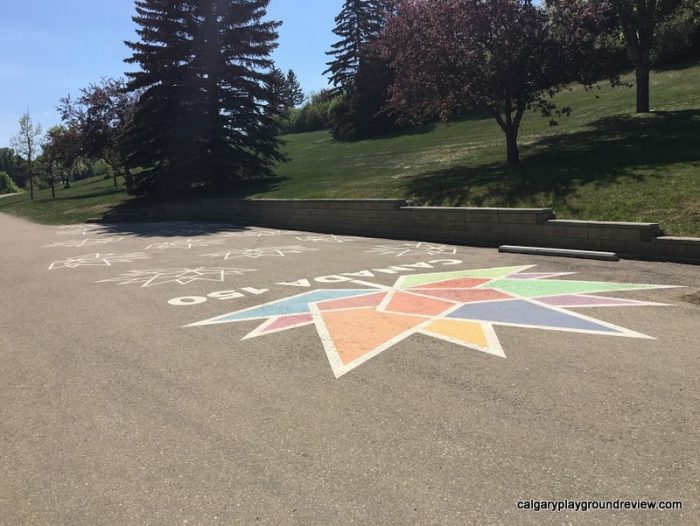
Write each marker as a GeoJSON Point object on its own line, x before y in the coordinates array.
{"type": "Point", "coordinates": [419, 305]}
{"type": "Point", "coordinates": [357, 332]}
{"type": "Point", "coordinates": [461, 283]}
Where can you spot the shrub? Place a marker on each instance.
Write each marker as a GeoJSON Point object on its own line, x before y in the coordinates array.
{"type": "Point", "coordinates": [7, 185]}
{"type": "Point", "coordinates": [313, 116]}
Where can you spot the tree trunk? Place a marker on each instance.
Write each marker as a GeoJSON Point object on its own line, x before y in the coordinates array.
{"type": "Point", "coordinates": [31, 179]}
{"type": "Point", "coordinates": [512, 146]}
{"type": "Point", "coordinates": [642, 73]}
{"type": "Point", "coordinates": [53, 186]}
{"type": "Point", "coordinates": [128, 179]}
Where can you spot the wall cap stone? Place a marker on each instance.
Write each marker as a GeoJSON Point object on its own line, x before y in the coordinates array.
{"type": "Point", "coordinates": [678, 240]}
{"type": "Point", "coordinates": [483, 210]}
{"type": "Point", "coordinates": [603, 224]}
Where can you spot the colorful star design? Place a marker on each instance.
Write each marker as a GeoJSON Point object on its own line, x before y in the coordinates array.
{"type": "Point", "coordinates": [181, 276]}
{"type": "Point", "coordinates": [461, 307]}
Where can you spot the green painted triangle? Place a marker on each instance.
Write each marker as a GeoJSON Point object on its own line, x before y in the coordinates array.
{"type": "Point", "coordinates": [549, 287]}
{"type": "Point", "coordinates": [486, 273]}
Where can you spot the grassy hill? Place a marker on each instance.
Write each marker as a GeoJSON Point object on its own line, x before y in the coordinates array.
{"type": "Point", "coordinates": [602, 162]}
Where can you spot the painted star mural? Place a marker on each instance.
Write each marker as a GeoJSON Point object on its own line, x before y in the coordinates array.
{"type": "Point", "coordinates": [181, 276]}
{"type": "Point", "coordinates": [184, 244]}
{"type": "Point", "coordinates": [97, 260]}
{"type": "Point", "coordinates": [461, 307]}
{"type": "Point", "coordinates": [412, 249]}
{"type": "Point", "coordinates": [255, 253]}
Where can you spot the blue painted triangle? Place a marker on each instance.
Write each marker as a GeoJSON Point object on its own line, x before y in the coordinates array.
{"type": "Point", "coordinates": [521, 312]}
{"type": "Point", "coordinates": [288, 306]}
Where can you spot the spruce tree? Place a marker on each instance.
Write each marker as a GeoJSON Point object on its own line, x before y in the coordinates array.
{"type": "Point", "coordinates": [207, 102]}
{"type": "Point", "coordinates": [359, 23]}
{"type": "Point", "coordinates": [295, 95]}
{"type": "Point", "coordinates": [158, 138]}
{"type": "Point", "coordinates": [233, 48]}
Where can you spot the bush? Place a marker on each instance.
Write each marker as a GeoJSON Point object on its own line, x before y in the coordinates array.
{"type": "Point", "coordinates": [315, 115]}
{"type": "Point", "coordinates": [360, 114]}
{"type": "Point", "coordinates": [678, 37]}
{"type": "Point", "coordinates": [7, 185]}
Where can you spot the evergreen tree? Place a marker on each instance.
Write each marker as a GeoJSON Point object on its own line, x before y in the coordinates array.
{"type": "Point", "coordinates": [295, 95]}
{"type": "Point", "coordinates": [206, 115]}
{"type": "Point", "coordinates": [359, 23]}
{"type": "Point", "coordinates": [233, 50]}
{"type": "Point", "coordinates": [277, 83]}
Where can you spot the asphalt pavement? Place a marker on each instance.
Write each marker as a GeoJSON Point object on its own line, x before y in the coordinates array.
{"type": "Point", "coordinates": [182, 373]}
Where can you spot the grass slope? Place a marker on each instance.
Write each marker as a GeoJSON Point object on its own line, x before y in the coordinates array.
{"type": "Point", "coordinates": [85, 199]}
{"type": "Point", "coordinates": [602, 162]}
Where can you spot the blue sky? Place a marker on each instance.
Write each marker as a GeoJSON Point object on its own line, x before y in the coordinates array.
{"type": "Point", "coordinates": [51, 48]}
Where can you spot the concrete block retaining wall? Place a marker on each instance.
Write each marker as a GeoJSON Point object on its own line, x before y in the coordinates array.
{"type": "Point", "coordinates": [395, 218]}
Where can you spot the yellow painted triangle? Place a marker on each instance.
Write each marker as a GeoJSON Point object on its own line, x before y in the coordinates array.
{"type": "Point", "coordinates": [471, 334]}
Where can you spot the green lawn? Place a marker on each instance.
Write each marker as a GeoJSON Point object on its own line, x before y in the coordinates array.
{"type": "Point", "coordinates": [602, 162]}
{"type": "Point", "coordinates": [85, 199]}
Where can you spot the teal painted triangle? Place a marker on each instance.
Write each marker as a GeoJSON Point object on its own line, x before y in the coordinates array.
{"type": "Point", "coordinates": [550, 287]}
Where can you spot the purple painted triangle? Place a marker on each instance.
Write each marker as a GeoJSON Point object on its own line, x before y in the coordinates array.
{"type": "Point", "coordinates": [580, 300]}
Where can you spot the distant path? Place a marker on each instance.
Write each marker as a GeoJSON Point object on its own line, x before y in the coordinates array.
{"type": "Point", "coordinates": [7, 195]}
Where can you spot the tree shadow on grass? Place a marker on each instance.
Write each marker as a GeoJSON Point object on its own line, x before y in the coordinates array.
{"type": "Point", "coordinates": [100, 193]}
{"type": "Point", "coordinates": [555, 166]}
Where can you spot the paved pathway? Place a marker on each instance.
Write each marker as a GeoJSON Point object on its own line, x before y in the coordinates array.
{"type": "Point", "coordinates": [207, 374]}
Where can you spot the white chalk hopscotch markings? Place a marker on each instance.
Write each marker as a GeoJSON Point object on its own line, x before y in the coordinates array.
{"type": "Point", "coordinates": [328, 239]}
{"type": "Point", "coordinates": [255, 253]}
{"type": "Point", "coordinates": [412, 249]}
{"type": "Point", "coordinates": [79, 230]}
{"type": "Point", "coordinates": [97, 260]}
{"type": "Point", "coordinates": [185, 244]}
{"type": "Point", "coordinates": [181, 276]}
{"type": "Point", "coordinates": [85, 243]}
{"type": "Point", "coordinates": [256, 233]}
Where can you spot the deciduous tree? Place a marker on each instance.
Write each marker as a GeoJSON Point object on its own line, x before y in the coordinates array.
{"type": "Point", "coordinates": [26, 143]}
{"type": "Point", "coordinates": [450, 56]}
{"type": "Point", "coordinates": [638, 21]}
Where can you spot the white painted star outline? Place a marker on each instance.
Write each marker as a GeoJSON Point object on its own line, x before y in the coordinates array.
{"type": "Point", "coordinates": [181, 276]}
{"type": "Point", "coordinates": [255, 253]}
{"type": "Point", "coordinates": [185, 244]}
{"type": "Point", "coordinates": [412, 249]}
{"type": "Point", "coordinates": [79, 230]}
{"type": "Point", "coordinates": [328, 239]}
{"type": "Point", "coordinates": [256, 233]}
{"type": "Point", "coordinates": [97, 260]}
{"type": "Point", "coordinates": [84, 243]}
